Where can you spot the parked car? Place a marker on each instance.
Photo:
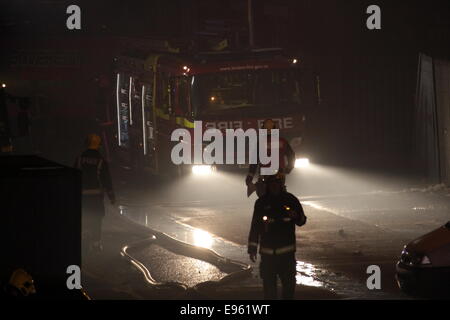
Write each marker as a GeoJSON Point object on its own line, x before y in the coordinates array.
{"type": "Point", "coordinates": [424, 266]}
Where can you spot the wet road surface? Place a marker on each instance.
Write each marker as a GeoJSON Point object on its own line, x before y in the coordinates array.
{"type": "Point", "coordinates": [192, 271]}
{"type": "Point", "coordinates": [345, 233]}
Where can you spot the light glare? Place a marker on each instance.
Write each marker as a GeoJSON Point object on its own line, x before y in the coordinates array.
{"type": "Point", "coordinates": [202, 238]}
{"type": "Point", "coordinates": [301, 163]}
{"type": "Point", "coordinates": [201, 169]}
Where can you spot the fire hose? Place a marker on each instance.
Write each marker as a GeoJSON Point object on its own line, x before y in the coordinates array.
{"type": "Point", "coordinates": [235, 269]}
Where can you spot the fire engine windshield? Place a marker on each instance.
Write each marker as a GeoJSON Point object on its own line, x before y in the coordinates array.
{"type": "Point", "coordinates": [218, 92]}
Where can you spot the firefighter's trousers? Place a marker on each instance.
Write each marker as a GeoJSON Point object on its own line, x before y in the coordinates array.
{"type": "Point", "coordinates": [93, 213]}
{"type": "Point", "coordinates": [282, 266]}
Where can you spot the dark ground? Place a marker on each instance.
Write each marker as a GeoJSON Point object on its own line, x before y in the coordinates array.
{"type": "Point", "coordinates": [356, 221]}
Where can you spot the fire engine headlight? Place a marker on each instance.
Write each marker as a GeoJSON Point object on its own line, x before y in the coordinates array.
{"type": "Point", "coordinates": [202, 170]}
{"type": "Point", "coordinates": [301, 163]}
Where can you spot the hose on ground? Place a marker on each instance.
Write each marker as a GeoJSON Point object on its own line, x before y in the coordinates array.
{"type": "Point", "coordinates": [235, 269]}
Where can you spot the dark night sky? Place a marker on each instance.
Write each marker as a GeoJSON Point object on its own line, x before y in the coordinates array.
{"type": "Point", "coordinates": [367, 77]}
{"type": "Point", "coordinates": [320, 25]}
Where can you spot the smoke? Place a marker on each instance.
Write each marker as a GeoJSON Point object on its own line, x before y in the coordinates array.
{"type": "Point", "coordinates": [313, 181]}
{"type": "Point", "coordinates": [217, 187]}
{"type": "Point", "coordinates": [318, 180]}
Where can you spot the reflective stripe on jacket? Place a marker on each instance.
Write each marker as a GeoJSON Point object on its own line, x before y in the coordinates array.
{"type": "Point", "coordinates": [272, 229]}
{"type": "Point", "coordinates": [277, 251]}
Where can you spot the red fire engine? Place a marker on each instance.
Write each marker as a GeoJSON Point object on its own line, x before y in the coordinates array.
{"type": "Point", "coordinates": [160, 93]}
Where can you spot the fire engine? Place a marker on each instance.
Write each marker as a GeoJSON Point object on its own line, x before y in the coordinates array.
{"type": "Point", "coordinates": [228, 90]}
{"type": "Point", "coordinates": [151, 100]}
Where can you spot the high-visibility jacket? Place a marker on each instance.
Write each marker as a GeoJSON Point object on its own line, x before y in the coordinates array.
{"type": "Point", "coordinates": [95, 174]}
{"type": "Point", "coordinates": [271, 229]}
{"type": "Point", "coordinates": [286, 157]}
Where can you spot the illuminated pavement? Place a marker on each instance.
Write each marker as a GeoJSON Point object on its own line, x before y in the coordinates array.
{"type": "Point", "coordinates": [345, 233]}
{"type": "Point", "coordinates": [167, 266]}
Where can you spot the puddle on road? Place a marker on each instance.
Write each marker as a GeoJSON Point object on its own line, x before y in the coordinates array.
{"type": "Point", "coordinates": [202, 238]}
{"type": "Point", "coordinates": [307, 275]}
{"type": "Point", "coordinates": [193, 271]}
{"type": "Point", "coordinates": [165, 265]}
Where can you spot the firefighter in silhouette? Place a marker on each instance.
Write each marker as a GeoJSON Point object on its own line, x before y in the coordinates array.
{"type": "Point", "coordinates": [286, 162]}
{"type": "Point", "coordinates": [19, 286]}
{"type": "Point", "coordinates": [96, 181]}
{"type": "Point", "coordinates": [275, 216]}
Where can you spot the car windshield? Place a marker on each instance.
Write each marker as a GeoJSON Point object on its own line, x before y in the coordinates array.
{"type": "Point", "coordinates": [219, 92]}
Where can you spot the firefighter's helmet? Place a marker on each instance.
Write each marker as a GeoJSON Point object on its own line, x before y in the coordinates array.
{"type": "Point", "coordinates": [278, 177]}
{"type": "Point", "coordinates": [93, 141]}
{"type": "Point", "coordinates": [23, 282]}
{"type": "Point", "coordinates": [269, 124]}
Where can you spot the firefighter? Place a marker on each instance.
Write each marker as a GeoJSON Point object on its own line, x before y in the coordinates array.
{"type": "Point", "coordinates": [286, 162]}
{"type": "Point", "coordinates": [275, 216]}
{"type": "Point", "coordinates": [96, 181]}
{"type": "Point", "coordinates": [20, 285]}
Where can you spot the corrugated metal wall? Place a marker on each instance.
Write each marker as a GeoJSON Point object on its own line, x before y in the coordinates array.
{"type": "Point", "coordinates": [432, 119]}
{"type": "Point", "coordinates": [442, 90]}
{"type": "Point", "coordinates": [426, 149]}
